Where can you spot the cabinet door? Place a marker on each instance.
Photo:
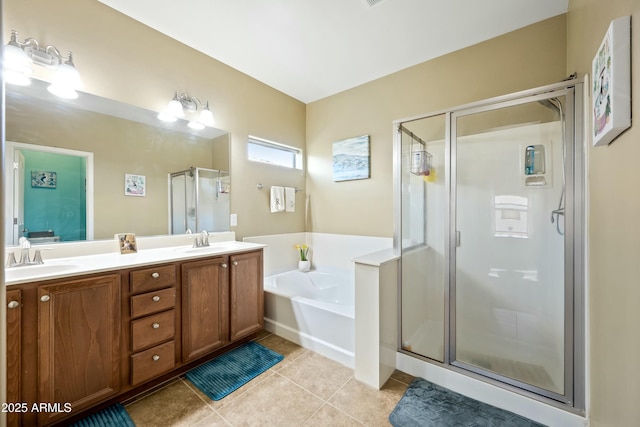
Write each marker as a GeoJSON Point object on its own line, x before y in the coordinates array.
{"type": "Point", "coordinates": [14, 368]}
{"type": "Point", "coordinates": [246, 294]}
{"type": "Point", "coordinates": [204, 306]}
{"type": "Point", "coordinates": [79, 335]}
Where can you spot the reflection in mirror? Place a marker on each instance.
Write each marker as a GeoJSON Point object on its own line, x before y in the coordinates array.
{"type": "Point", "coordinates": [199, 200]}
{"type": "Point", "coordinates": [107, 140]}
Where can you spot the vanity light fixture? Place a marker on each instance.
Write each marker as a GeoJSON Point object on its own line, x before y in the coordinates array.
{"type": "Point", "coordinates": [20, 56]}
{"type": "Point", "coordinates": [180, 104]}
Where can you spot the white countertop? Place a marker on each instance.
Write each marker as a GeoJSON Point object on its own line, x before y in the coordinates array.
{"type": "Point", "coordinates": [76, 265]}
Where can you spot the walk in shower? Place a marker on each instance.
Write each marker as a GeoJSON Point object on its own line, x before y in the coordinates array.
{"type": "Point", "coordinates": [199, 200]}
{"type": "Point", "coordinates": [490, 227]}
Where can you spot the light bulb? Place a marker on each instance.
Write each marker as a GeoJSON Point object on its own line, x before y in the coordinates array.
{"type": "Point", "coordinates": [17, 65]}
{"type": "Point", "coordinates": [66, 80]}
{"type": "Point", "coordinates": [206, 117]}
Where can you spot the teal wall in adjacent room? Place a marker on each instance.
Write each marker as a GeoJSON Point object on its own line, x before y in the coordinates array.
{"type": "Point", "coordinates": [61, 209]}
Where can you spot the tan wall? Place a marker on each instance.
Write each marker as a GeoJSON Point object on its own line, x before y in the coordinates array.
{"type": "Point", "coordinates": [614, 230]}
{"type": "Point", "coordinates": [530, 57]}
{"type": "Point", "coordinates": [121, 59]}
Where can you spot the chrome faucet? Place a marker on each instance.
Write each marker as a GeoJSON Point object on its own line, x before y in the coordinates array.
{"type": "Point", "coordinates": [25, 256]}
{"type": "Point", "coordinates": [203, 241]}
{"type": "Point", "coordinates": [25, 246]}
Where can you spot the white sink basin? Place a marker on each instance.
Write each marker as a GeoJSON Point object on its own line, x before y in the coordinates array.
{"type": "Point", "coordinates": [36, 271]}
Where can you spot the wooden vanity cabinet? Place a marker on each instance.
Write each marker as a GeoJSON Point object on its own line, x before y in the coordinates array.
{"type": "Point", "coordinates": [153, 325]}
{"type": "Point", "coordinates": [91, 340]}
{"type": "Point", "coordinates": [205, 310]}
{"type": "Point", "coordinates": [14, 327]}
{"type": "Point", "coordinates": [222, 302]}
{"type": "Point", "coordinates": [79, 324]}
{"type": "Point", "coordinates": [246, 295]}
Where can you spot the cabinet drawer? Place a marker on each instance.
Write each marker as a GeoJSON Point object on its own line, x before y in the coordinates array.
{"type": "Point", "coordinates": [152, 330]}
{"type": "Point", "coordinates": [153, 302]}
{"type": "Point", "coordinates": [153, 362]}
{"type": "Point", "coordinates": [150, 279]}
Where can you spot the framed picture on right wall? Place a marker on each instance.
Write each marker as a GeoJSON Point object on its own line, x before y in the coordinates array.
{"type": "Point", "coordinates": [611, 83]}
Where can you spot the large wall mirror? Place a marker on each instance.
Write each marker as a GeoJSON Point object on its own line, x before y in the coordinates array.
{"type": "Point", "coordinates": [72, 164]}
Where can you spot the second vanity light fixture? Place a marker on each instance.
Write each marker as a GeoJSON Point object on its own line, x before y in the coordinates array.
{"type": "Point", "coordinates": [181, 103]}
{"type": "Point", "coordinates": [20, 56]}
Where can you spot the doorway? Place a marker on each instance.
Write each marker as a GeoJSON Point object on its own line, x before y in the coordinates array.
{"type": "Point", "coordinates": [48, 194]}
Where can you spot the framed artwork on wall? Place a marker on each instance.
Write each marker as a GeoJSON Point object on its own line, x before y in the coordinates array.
{"type": "Point", "coordinates": [351, 159]}
{"type": "Point", "coordinates": [611, 83]}
{"type": "Point", "coordinates": [135, 185]}
{"type": "Point", "coordinates": [43, 179]}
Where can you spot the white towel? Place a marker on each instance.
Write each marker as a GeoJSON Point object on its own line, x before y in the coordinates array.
{"type": "Point", "coordinates": [290, 199]}
{"type": "Point", "coordinates": [277, 199]}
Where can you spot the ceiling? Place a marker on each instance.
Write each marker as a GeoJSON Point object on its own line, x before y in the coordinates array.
{"type": "Point", "coordinates": [313, 49]}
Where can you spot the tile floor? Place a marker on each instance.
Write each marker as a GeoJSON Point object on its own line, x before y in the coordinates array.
{"type": "Point", "coordinates": [305, 389]}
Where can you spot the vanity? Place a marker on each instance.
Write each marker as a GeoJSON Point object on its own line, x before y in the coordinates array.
{"type": "Point", "coordinates": [84, 332]}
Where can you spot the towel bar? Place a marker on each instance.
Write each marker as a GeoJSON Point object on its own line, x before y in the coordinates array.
{"type": "Point", "coordinates": [260, 187]}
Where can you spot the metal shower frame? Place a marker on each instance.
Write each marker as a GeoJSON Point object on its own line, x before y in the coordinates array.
{"type": "Point", "coordinates": [575, 239]}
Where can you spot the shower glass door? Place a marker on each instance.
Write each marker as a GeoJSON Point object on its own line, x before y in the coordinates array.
{"type": "Point", "coordinates": [423, 205]}
{"type": "Point", "coordinates": [510, 243]}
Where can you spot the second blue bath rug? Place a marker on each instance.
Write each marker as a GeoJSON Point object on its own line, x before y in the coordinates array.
{"type": "Point", "coordinates": [231, 370]}
{"type": "Point", "coordinates": [425, 404]}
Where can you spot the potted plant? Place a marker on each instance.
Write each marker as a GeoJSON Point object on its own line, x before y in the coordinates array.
{"type": "Point", "coordinates": [304, 264]}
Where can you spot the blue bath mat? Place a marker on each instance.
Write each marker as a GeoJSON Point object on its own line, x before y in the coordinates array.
{"type": "Point", "coordinates": [232, 370]}
{"type": "Point", "coordinates": [425, 404]}
{"type": "Point", "coordinates": [113, 416]}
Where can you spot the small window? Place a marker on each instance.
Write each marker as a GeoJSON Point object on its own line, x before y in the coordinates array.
{"type": "Point", "coordinates": [263, 151]}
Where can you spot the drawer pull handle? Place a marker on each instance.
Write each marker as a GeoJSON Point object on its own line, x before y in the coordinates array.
{"type": "Point", "coordinates": [155, 325]}
{"type": "Point", "coordinates": [45, 298]}
{"type": "Point", "coordinates": [155, 275]}
{"type": "Point", "coordinates": [156, 298]}
{"type": "Point", "coordinates": [235, 262]}
{"type": "Point", "coordinates": [13, 304]}
{"type": "Point", "coordinates": [224, 265]}
{"type": "Point", "coordinates": [155, 357]}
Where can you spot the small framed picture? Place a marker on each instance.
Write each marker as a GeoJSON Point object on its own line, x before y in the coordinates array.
{"type": "Point", "coordinates": [43, 179]}
{"type": "Point", "coordinates": [135, 185]}
{"type": "Point", "coordinates": [127, 242]}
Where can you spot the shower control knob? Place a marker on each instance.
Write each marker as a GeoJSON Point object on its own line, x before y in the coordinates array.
{"type": "Point", "coordinates": [155, 275]}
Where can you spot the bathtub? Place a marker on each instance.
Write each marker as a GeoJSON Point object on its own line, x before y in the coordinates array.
{"type": "Point", "coordinates": [314, 309]}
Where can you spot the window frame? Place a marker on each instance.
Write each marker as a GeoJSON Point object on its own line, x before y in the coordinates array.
{"type": "Point", "coordinates": [297, 163]}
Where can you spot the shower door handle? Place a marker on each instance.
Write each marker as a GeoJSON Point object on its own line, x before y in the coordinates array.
{"type": "Point", "coordinates": [457, 239]}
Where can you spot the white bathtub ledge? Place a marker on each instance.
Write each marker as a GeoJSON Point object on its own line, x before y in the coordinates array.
{"type": "Point", "coordinates": [376, 324]}
{"type": "Point", "coordinates": [377, 259]}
